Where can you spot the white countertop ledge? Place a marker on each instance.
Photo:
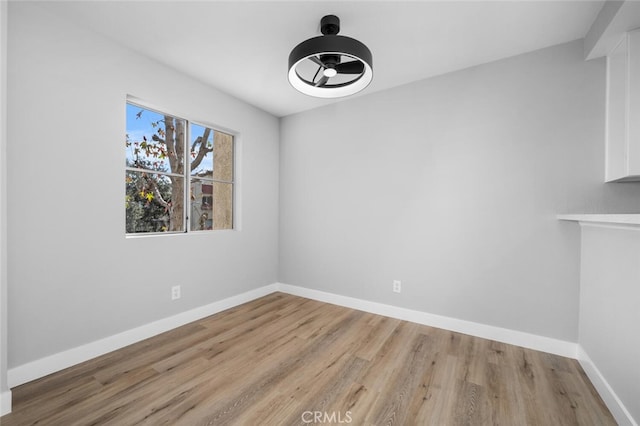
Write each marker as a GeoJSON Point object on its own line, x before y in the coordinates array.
{"type": "Point", "coordinates": [622, 219]}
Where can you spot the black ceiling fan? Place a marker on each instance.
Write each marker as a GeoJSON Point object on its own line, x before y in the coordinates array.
{"type": "Point", "coordinates": [330, 65]}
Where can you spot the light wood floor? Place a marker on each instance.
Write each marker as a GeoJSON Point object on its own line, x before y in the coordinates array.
{"type": "Point", "coordinates": [279, 359]}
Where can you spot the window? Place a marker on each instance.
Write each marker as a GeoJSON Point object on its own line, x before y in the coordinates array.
{"type": "Point", "coordinates": [179, 175]}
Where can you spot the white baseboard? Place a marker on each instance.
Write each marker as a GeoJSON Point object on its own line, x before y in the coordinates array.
{"type": "Point", "coordinates": [44, 366]}
{"type": "Point", "coordinates": [5, 402]}
{"type": "Point", "coordinates": [615, 405]}
{"type": "Point", "coordinates": [56, 362]}
{"type": "Point", "coordinates": [519, 338]}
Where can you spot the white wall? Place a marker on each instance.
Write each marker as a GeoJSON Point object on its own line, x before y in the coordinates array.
{"type": "Point", "coordinates": [5, 394]}
{"type": "Point", "coordinates": [452, 184]}
{"type": "Point", "coordinates": [73, 277]}
{"type": "Point", "coordinates": [609, 314]}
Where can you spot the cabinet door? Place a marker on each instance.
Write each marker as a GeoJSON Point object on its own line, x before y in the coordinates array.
{"type": "Point", "coordinates": [616, 152]}
{"type": "Point", "coordinates": [623, 110]}
{"type": "Point", "coordinates": [633, 111]}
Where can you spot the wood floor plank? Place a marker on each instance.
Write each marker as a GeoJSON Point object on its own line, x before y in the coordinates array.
{"type": "Point", "coordinates": [280, 358]}
{"type": "Point", "coordinates": [386, 361]}
{"type": "Point", "coordinates": [401, 388]}
{"type": "Point", "coordinates": [376, 333]}
{"type": "Point", "coordinates": [439, 402]}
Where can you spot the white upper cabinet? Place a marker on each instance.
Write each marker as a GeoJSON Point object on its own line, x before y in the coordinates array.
{"type": "Point", "coordinates": [623, 110]}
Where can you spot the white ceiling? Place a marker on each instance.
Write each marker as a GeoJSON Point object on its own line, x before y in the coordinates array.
{"type": "Point", "coordinates": [242, 47]}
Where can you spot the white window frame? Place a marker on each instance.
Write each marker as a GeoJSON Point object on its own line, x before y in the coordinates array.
{"type": "Point", "coordinates": [186, 176]}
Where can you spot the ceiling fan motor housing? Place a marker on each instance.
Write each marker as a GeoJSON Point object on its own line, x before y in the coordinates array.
{"type": "Point", "coordinates": [330, 25]}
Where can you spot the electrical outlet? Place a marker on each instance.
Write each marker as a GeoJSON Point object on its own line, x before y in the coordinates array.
{"type": "Point", "coordinates": [175, 292]}
{"type": "Point", "coordinates": [397, 286]}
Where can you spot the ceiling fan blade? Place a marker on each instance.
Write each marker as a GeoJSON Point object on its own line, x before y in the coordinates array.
{"type": "Point", "coordinates": [316, 74]}
{"type": "Point", "coordinates": [353, 67]}
{"type": "Point", "coordinates": [316, 60]}
{"type": "Point", "coordinates": [322, 81]}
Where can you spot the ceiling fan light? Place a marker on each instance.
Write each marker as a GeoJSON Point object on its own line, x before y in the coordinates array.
{"type": "Point", "coordinates": [330, 72]}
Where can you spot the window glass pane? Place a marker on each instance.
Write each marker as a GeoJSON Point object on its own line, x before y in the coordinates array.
{"type": "Point", "coordinates": [223, 157]}
{"type": "Point", "coordinates": [201, 144]}
{"type": "Point", "coordinates": [201, 205]}
{"type": "Point", "coordinates": [154, 202]}
{"type": "Point", "coordinates": [211, 153]}
{"type": "Point", "coordinates": [222, 205]}
{"type": "Point", "coordinates": [154, 141]}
